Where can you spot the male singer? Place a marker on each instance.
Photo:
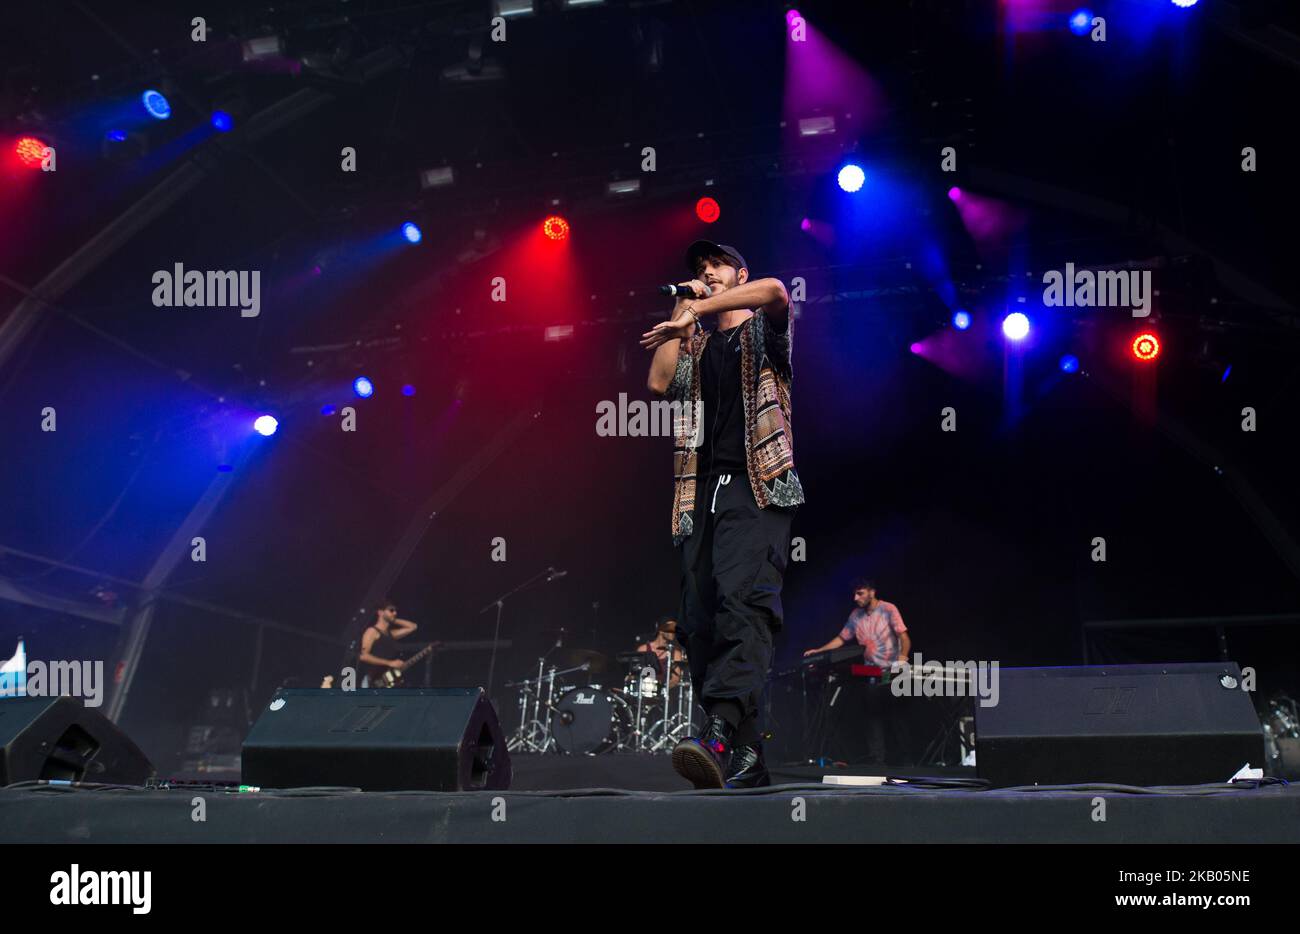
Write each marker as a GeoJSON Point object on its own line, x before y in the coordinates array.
{"type": "Point", "coordinates": [733, 501]}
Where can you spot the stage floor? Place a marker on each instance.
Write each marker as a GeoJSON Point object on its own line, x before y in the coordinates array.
{"type": "Point", "coordinates": [636, 799]}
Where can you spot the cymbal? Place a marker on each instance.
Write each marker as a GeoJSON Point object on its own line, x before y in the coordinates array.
{"type": "Point", "coordinates": [595, 661]}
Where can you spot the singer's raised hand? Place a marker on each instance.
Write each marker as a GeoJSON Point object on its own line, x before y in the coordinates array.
{"type": "Point", "coordinates": [680, 327]}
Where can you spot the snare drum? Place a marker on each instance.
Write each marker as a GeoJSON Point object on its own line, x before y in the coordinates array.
{"type": "Point", "coordinates": [590, 720]}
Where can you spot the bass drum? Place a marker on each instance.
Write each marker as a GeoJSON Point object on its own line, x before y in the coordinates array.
{"type": "Point", "coordinates": [590, 720]}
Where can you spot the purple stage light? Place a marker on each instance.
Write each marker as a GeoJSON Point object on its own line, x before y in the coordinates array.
{"type": "Point", "coordinates": [954, 193]}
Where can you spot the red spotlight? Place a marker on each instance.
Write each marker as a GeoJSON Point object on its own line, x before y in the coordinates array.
{"type": "Point", "coordinates": [1146, 347]}
{"type": "Point", "coordinates": [707, 210]}
{"type": "Point", "coordinates": [31, 151]}
{"type": "Point", "coordinates": [556, 227]}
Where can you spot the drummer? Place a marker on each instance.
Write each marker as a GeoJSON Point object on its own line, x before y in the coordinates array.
{"type": "Point", "coordinates": [665, 637]}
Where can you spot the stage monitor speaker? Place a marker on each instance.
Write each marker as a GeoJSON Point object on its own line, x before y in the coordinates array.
{"type": "Point", "coordinates": [397, 739]}
{"type": "Point", "coordinates": [61, 739]}
{"type": "Point", "coordinates": [1125, 724]}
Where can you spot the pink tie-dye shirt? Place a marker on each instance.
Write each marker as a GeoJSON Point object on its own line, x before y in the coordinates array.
{"type": "Point", "coordinates": [877, 632]}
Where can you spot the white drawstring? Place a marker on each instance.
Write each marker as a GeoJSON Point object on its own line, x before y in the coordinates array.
{"type": "Point", "coordinates": [722, 481]}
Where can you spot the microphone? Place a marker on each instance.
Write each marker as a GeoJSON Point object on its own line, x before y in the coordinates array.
{"type": "Point", "coordinates": [681, 291]}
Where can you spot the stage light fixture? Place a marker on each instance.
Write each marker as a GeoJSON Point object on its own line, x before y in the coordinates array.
{"type": "Point", "coordinates": [623, 187]}
{"type": "Point", "coordinates": [265, 425]}
{"type": "Point", "coordinates": [556, 227]}
{"type": "Point", "coordinates": [408, 390]}
{"type": "Point", "coordinates": [156, 105]}
{"type": "Point", "coordinates": [817, 126]}
{"type": "Point", "coordinates": [1069, 363]}
{"type": "Point", "coordinates": [31, 151]}
{"type": "Point", "coordinates": [363, 387]}
{"type": "Point", "coordinates": [512, 7]}
{"type": "Point", "coordinates": [262, 47]}
{"type": "Point", "coordinates": [961, 320]}
{"type": "Point", "coordinates": [1184, 4]}
{"type": "Point", "coordinates": [222, 122]}
{"type": "Point", "coordinates": [1015, 326]}
{"type": "Point", "coordinates": [851, 177]}
{"type": "Point", "coordinates": [437, 178]}
{"type": "Point", "coordinates": [1146, 347]}
{"type": "Point", "coordinates": [707, 210]}
{"type": "Point", "coordinates": [954, 193]}
{"type": "Point", "coordinates": [411, 233]}
{"type": "Point", "coordinates": [1081, 22]}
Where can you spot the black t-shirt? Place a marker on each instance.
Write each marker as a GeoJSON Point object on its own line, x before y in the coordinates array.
{"type": "Point", "coordinates": [723, 447]}
{"type": "Point", "coordinates": [383, 647]}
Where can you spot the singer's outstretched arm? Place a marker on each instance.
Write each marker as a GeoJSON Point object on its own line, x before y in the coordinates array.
{"type": "Point", "coordinates": [765, 296]}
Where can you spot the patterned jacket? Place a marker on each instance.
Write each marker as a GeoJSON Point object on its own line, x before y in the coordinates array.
{"type": "Point", "coordinates": [765, 374]}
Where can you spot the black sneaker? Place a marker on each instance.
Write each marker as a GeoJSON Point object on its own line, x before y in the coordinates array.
{"type": "Point", "coordinates": [747, 769]}
{"type": "Point", "coordinates": [704, 761]}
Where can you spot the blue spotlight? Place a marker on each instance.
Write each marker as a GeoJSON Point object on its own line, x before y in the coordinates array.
{"type": "Point", "coordinates": [408, 390]}
{"type": "Point", "coordinates": [411, 233]}
{"type": "Point", "coordinates": [117, 136]}
{"type": "Point", "coordinates": [1184, 4]}
{"type": "Point", "coordinates": [851, 177]}
{"type": "Point", "coordinates": [156, 105]}
{"type": "Point", "coordinates": [1069, 363]}
{"type": "Point", "coordinates": [363, 387]}
{"type": "Point", "coordinates": [327, 409]}
{"type": "Point", "coordinates": [1015, 326]}
{"type": "Point", "coordinates": [265, 425]}
{"type": "Point", "coordinates": [1081, 21]}
{"type": "Point", "coordinates": [222, 122]}
{"type": "Point", "coordinates": [961, 320]}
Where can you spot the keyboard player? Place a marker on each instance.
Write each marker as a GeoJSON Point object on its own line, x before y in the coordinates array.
{"type": "Point", "coordinates": [878, 627]}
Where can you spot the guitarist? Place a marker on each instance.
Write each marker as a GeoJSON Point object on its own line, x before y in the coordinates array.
{"type": "Point", "coordinates": [379, 649]}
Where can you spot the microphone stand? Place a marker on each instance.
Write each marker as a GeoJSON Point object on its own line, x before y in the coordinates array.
{"type": "Point", "coordinates": [499, 603]}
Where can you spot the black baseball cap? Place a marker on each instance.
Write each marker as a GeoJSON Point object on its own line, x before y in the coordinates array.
{"type": "Point", "coordinates": [709, 248]}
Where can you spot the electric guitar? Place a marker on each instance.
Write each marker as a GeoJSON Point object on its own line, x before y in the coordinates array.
{"type": "Point", "coordinates": [392, 677]}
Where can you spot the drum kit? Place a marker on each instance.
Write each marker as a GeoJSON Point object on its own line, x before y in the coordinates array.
{"type": "Point", "coordinates": [568, 711]}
